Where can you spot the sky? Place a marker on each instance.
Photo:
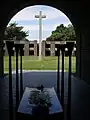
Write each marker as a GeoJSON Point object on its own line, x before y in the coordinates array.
{"type": "Point", "coordinates": [26, 18]}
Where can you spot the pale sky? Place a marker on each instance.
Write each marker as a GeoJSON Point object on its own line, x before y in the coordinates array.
{"type": "Point", "coordinates": [26, 18]}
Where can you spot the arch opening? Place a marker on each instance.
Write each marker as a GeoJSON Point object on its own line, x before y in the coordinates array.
{"type": "Point", "coordinates": [47, 46]}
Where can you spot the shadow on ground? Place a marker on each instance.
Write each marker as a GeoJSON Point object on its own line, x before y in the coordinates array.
{"type": "Point", "coordinates": [80, 92]}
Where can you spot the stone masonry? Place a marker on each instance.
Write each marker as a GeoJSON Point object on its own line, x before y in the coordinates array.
{"type": "Point", "coordinates": [34, 48]}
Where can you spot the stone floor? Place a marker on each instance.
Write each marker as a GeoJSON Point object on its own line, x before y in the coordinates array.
{"type": "Point", "coordinates": [80, 92]}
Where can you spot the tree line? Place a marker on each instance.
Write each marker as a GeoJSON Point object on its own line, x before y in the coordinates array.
{"type": "Point", "coordinates": [61, 33]}
{"type": "Point", "coordinates": [13, 31]}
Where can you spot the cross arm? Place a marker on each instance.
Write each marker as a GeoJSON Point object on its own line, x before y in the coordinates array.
{"type": "Point", "coordinates": [43, 16]}
{"type": "Point", "coordinates": [36, 16]}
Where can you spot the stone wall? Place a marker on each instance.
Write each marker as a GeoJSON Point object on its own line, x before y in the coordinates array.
{"type": "Point", "coordinates": [49, 48]}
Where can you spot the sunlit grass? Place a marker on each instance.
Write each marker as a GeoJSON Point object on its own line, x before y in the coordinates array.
{"type": "Point", "coordinates": [33, 63]}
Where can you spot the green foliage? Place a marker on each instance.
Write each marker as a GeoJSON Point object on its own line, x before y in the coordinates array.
{"type": "Point", "coordinates": [13, 31]}
{"type": "Point", "coordinates": [38, 97]}
{"type": "Point", "coordinates": [63, 33]}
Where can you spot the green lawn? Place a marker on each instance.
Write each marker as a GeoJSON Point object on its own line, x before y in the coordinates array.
{"type": "Point", "coordinates": [47, 63]}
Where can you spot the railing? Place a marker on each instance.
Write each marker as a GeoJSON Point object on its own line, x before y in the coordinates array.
{"type": "Point", "coordinates": [19, 48]}
{"type": "Point", "coordinates": [62, 47]}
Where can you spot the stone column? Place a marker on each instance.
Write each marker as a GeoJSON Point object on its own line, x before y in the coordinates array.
{"type": "Point", "coordinates": [52, 48]}
{"type": "Point", "coordinates": [6, 51]}
{"type": "Point", "coordinates": [35, 47]}
{"type": "Point", "coordinates": [43, 47]}
{"type": "Point", "coordinates": [26, 49]}
{"type": "Point", "coordinates": [1, 60]}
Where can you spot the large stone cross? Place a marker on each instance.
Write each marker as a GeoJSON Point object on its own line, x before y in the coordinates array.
{"type": "Point", "coordinates": [40, 16]}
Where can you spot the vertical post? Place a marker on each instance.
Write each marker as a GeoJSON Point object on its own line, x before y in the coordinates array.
{"type": "Point", "coordinates": [10, 89]}
{"type": "Point", "coordinates": [21, 79]}
{"type": "Point", "coordinates": [70, 48]}
{"type": "Point", "coordinates": [35, 47]}
{"type": "Point", "coordinates": [62, 76]}
{"type": "Point", "coordinates": [40, 36]}
{"type": "Point", "coordinates": [58, 75]}
{"type": "Point", "coordinates": [69, 90]}
{"type": "Point", "coordinates": [17, 81]}
{"type": "Point", "coordinates": [9, 48]}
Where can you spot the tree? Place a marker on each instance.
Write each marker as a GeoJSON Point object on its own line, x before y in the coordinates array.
{"type": "Point", "coordinates": [13, 31]}
{"type": "Point", "coordinates": [63, 33]}
{"type": "Point", "coordinates": [71, 32]}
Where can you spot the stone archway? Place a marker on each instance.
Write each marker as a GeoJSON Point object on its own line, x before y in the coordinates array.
{"type": "Point", "coordinates": [76, 11]}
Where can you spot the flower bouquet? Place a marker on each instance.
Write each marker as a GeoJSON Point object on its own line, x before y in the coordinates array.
{"type": "Point", "coordinates": [41, 101]}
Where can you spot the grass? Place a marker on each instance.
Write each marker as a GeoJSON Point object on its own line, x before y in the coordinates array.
{"type": "Point", "coordinates": [33, 63]}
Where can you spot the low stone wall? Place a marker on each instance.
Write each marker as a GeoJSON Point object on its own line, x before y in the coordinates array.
{"type": "Point", "coordinates": [49, 48]}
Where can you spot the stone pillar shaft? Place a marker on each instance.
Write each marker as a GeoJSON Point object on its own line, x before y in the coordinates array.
{"type": "Point", "coordinates": [35, 48]}
{"type": "Point", "coordinates": [26, 49]}
{"type": "Point", "coordinates": [43, 48]}
{"type": "Point", "coordinates": [52, 48]}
